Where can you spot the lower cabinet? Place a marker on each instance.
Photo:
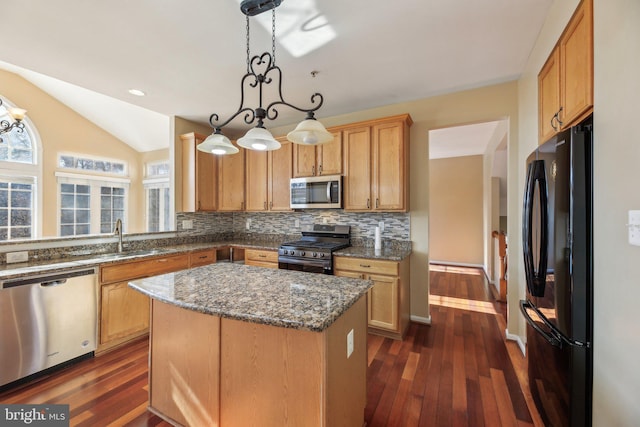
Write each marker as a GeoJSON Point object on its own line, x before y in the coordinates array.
{"type": "Point", "coordinates": [202, 257]}
{"type": "Point", "coordinates": [261, 258]}
{"type": "Point", "coordinates": [124, 312]}
{"type": "Point", "coordinates": [388, 307]}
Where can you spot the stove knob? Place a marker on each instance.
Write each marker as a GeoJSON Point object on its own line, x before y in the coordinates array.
{"type": "Point", "coordinates": [302, 253]}
{"type": "Point", "coordinates": [321, 254]}
{"type": "Point", "coordinates": [315, 254]}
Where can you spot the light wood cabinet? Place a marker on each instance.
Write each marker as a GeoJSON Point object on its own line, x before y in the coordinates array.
{"type": "Point", "coordinates": [376, 162]}
{"type": "Point", "coordinates": [315, 160]}
{"type": "Point", "coordinates": [565, 82]}
{"type": "Point", "coordinates": [231, 182]}
{"type": "Point", "coordinates": [261, 258]}
{"type": "Point", "coordinates": [199, 176]}
{"type": "Point", "coordinates": [124, 312]}
{"type": "Point", "coordinates": [267, 178]}
{"type": "Point", "coordinates": [202, 257]}
{"type": "Point", "coordinates": [388, 299]}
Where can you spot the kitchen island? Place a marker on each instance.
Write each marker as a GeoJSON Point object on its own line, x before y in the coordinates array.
{"type": "Point", "coordinates": [235, 345]}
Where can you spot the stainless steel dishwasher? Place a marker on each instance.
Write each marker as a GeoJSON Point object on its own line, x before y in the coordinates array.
{"type": "Point", "coordinates": [46, 321]}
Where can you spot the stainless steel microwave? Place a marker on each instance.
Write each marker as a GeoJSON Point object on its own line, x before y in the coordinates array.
{"type": "Point", "coordinates": [323, 192]}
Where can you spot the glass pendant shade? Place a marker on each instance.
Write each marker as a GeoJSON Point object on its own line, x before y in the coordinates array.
{"type": "Point", "coordinates": [259, 139]}
{"type": "Point", "coordinates": [310, 132]}
{"type": "Point", "coordinates": [218, 144]}
{"type": "Point", "coordinates": [17, 113]}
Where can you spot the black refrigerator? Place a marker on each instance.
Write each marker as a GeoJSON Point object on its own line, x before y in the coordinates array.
{"type": "Point", "coordinates": [557, 229]}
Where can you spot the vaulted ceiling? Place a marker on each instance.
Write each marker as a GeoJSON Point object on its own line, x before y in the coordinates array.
{"type": "Point", "coordinates": [188, 56]}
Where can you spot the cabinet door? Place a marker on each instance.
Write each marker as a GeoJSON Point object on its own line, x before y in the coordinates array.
{"type": "Point", "coordinates": [382, 306]}
{"type": "Point", "coordinates": [357, 168]}
{"type": "Point", "coordinates": [199, 176]}
{"type": "Point", "coordinates": [304, 160]}
{"type": "Point", "coordinates": [576, 65]}
{"type": "Point", "coordinates": [280, 173]}
{"type": "Point", "coordinates": [125, 312]}
{"type": "Point", "coordinates": [231, 182]}
{"type": "Point", "coordinates": [389, 167]}
{"type": "Point", "coordinates": [548, 97]}
{"type": "Point", "coordinates": [329, 156]}
{"type": "Point", "coordinates": [256, 184]}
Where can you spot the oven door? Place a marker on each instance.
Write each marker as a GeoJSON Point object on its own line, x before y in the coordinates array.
{"type": "Point", "coordinates": [305, 264]}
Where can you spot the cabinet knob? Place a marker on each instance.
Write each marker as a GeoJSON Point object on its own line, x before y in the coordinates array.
{"type": "Point", "coordinates": [368, 204]}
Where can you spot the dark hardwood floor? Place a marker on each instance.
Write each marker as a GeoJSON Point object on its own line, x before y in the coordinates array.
{"type": "Point", "coordinates": [459, 371]}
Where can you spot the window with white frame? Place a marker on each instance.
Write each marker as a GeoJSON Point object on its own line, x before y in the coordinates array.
{"type": "Point", "coordinates": [91, 204]}
{"type": "Point", "coordinates": [157, 196]}
{"type": "Point", "coordinates": [19, 173]}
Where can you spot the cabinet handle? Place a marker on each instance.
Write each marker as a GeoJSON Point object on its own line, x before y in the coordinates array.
{"type": "Point", "coordinates": [313, 170]}
{"type": "Point", "coordinates": [320, 170]}
{"type": "Point", "coordinates": [162, 260]}
{"type": "Point", "coordinates": [271, 204]}
{"type": "Point", "coordinates": [362, 276]}
{"type": "Point", "coordinates": [556, 117]}
{"type": "Point", "coordinates": [365, 265]}
{"type": "Point", "coordinates": [265, 205]}
{"type": "Point", "coordinates": [202, 257]}
{"type": "Point", "coordinates": [560, 122]}
{"type": "Point", "coordinates": [377, 202]}
{"type": "Point", "coordinates": [262, 256]}
{"type": "Point", "coordinates": [368, 204]}
{"type": "Point", "coordinates": [241, 206]}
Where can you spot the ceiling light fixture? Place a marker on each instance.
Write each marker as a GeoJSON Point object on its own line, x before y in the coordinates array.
{"type": "Point", "coordinates": [136, 92]}
{"type": "Point", "coordinates": [16, 114]}
{"type": "Point", "coordinates": [262, 70]}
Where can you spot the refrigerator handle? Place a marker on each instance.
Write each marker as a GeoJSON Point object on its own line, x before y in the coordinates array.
{"type": "Point", "coordinates": [535, 277]}
{"type": "Point", "coordinates": [552, 338]}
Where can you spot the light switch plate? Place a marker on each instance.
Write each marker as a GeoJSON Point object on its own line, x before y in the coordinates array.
{"type": "Point", "coordinates": [187, 224]}
{"type": "Point", "coordinates": [634, 228]}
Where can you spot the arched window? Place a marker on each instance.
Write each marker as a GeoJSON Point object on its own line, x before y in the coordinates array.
{"type": "Point", "coordinates": [19, 175]}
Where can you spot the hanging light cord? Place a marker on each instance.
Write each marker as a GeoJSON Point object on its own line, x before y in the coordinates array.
{"type": "Point", "coordinates": [273, 35]}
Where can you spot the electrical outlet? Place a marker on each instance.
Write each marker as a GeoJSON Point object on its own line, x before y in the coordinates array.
{"type": "Point", "coordinates": [297, 223]}
{"type": "Point", "coordinates": [17, 257]}
{"type": "Point", "coordinates": [248, 225]}
{"type": "Point", "coordinates": [187, 224]}
{"type": "Point", "coordinates": [349, 343]}
{"type": "Point", "coordinates": [381, 225]}
{"type": "Point", "coordinates": [324, 220]}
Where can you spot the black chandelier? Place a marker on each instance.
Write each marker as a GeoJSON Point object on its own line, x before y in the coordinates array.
{"type": "Point", "coordinates": [262, 70]}
{"type": "Point", "coordinates": [16, 114]}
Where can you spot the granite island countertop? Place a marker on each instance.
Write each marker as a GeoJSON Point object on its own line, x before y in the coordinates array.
{"type": "Point", "coordinates": [285, 298]}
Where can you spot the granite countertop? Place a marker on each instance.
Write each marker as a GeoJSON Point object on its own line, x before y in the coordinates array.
{"type": "Point", "coordinates": [284, 298]}
{"type": "Point", "coordinates": [10, 271]}
{"type": "Point", "coordinates": [387, 254]}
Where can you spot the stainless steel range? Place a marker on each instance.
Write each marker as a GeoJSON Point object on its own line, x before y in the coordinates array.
{"type": "Point", "coordinates": [314, 252]}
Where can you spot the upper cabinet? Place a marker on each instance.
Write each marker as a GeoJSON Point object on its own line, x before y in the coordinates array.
{"type": "Point", "coordinates": [376, 165]}
{"type": "Point", "coordinates": [199, 176]}
{"type": "Point", "coordinates": [325, 159]}
{"type": "Point", "coordinates": [565, 83]}
{"type": "Point", "coordinates": [231, 180]}
{"type": "Point", "coordinates": [267, 178]}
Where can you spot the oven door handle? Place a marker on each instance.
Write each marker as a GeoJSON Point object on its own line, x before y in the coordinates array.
{"type": "Point", "coordinates": [329, 192]}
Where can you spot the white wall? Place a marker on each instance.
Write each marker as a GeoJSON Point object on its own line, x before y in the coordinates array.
{"type": "Point", "coordinates": [616, 180]}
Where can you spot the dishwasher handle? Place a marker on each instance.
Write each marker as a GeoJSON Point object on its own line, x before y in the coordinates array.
{"type": "Point", "coordinates": [47, 280]}
{"type": "Point", "coordinates": [53, 283]}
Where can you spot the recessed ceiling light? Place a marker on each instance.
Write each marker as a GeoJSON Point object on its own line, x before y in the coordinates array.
{"type": "Point", "coordinates": [136, 92]}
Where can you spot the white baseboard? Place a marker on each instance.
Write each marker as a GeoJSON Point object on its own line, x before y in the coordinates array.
{"type": "Point", "coordinates": [420, 319]}
{"type": "Point", "coordinates": [456, 264]}
{"type": "Point", "coordinates": [516, 338]}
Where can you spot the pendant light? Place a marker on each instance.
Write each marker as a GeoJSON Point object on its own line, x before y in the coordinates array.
{"type": "Point", "coordinates": [218, 144]}
{"type": "Point", "coordinates": [262, 70]}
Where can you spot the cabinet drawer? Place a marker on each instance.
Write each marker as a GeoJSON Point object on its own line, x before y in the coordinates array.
{"type": "Point", "coordinates": [137, 269]}
{"type": "Point", "coordinates": [204, 257]}
{"type": "Point", "coordinates": [374, 266]}
{"type": "Point", "coordinates": [261, 255]}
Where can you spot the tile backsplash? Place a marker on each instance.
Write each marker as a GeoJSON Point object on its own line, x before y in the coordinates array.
{"type": "Point", "coordinates": [397, 226]}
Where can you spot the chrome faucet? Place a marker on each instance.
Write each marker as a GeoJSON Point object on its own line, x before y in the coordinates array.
{"type": "Point", "coordinates": [118, 232]}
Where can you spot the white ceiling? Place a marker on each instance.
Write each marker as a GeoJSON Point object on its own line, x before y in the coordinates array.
{"type": "Point", "coordinates": [189, 55]}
